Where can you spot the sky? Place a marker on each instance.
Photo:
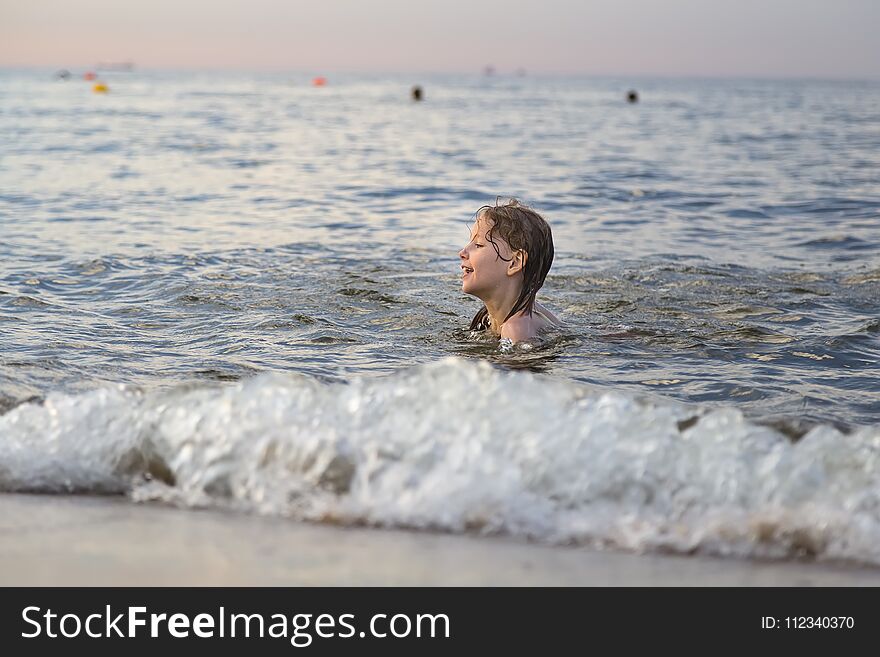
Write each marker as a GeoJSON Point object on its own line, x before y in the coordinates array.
{"type": "Point", "coordinates": [736, 38]}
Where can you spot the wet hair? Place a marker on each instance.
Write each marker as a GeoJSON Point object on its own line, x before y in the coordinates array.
{"type": "Point", "coordinates": [523, 229]}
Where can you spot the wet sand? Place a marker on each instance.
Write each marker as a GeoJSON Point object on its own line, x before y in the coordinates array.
{"type": "Point", "coordinates": [108, 541]}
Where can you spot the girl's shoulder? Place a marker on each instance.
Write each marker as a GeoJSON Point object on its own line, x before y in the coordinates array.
{"type": "Point", "coordinates": [519, 328]}
{"type": "Point", "coordinates": [546, 315]}
{"type": "Point", "coordinates": [523, 327]}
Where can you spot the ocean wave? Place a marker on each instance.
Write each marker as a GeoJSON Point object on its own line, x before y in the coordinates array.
{"type": "Point", "coordinates": [460, 446]}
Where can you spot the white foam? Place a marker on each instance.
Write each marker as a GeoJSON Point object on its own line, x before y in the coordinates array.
{"type": "Point", "coordinates": [460, 446]}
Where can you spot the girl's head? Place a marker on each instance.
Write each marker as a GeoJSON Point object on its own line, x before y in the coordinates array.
{"type": "Point", "coordinates": [511, 244]}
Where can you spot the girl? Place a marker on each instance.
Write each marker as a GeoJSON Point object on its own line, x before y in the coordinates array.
{"type": "Point", "coordinates": [504, 265]}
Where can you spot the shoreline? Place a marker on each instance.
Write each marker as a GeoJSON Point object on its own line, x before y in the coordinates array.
{"type": "Point", "coordinates": [66, 540]}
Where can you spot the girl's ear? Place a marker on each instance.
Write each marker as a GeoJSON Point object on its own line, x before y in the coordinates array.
{"type": "Point", "coordinates": [517, 262]}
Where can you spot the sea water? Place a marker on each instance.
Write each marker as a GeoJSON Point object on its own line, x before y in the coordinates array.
{"type": "Point", "coordinates": [241, 291]}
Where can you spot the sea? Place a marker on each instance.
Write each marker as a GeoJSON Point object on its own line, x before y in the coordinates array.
{"type": "Point", "coordinates": [241, 291]}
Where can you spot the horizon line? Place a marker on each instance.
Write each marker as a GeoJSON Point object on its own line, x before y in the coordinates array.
{"type": "Point", "coordinates": [516, 72]}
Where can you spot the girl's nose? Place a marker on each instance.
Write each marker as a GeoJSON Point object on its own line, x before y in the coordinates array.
{"type": "Point", "coordinates": [461, 254]}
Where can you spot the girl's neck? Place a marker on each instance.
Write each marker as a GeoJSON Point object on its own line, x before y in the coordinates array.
{"type": "Point", "coordinates": [499, 306]}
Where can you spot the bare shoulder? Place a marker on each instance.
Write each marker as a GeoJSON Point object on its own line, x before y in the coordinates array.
{"type": "Point", "coordinates": [522, 327]}
{"type": "Point", "coordinates": [519, 328]}
{"type": "Point", "coordinates": [552, 319]}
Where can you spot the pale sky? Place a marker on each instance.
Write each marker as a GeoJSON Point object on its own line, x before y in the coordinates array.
{"type": "Point", "coordinates": [765, 38]}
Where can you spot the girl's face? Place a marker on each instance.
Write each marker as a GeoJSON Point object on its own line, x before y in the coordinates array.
{"type": "Point", "coordinates": [482, 270]}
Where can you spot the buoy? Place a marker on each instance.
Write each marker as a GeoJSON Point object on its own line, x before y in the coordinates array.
{"type": "Point", "coordinates": [319, 81]}
{"type": "Point", "coordinates": [417, 93]}
{"type": "Point", "coordinates": [89, 76]}
{"type": "Point", "coordinates": [100, 88]}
